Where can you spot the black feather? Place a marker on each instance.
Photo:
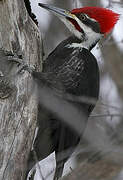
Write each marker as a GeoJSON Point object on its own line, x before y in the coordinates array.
{"type": "Point", "coordinates": [61, 122]}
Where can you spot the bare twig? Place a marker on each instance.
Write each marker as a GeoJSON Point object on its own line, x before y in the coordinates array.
{"type": "Point", "coordinates": [106, 115]}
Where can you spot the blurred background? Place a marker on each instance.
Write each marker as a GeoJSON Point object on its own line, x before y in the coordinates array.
{"type": "Point", "coordinates": [104, 133]}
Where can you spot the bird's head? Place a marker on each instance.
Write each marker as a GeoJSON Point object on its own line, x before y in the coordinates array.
{"type": "Point", "coordinates": [88, 24]}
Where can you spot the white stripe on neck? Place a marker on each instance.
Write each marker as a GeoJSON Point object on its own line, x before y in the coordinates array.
{"type": "Point", "coordinates": [90, 38]}
{"type": "Point", "coordinates": [85, 44]}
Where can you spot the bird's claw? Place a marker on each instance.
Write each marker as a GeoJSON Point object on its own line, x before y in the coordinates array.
{"type": "Point", "coordinates": [16, 59]}
{"type": "Point", "coordinates": [21, 64]}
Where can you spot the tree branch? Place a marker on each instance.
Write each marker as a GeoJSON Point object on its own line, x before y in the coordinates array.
{"type": "Point", "coordinates": [18, 107]}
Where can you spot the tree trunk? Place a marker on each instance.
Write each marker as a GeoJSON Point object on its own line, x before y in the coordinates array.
{"type": "Point", "coordinates": [18, 108]}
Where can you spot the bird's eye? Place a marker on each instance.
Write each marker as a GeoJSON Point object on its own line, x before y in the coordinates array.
{"type": "Point", "coordinates": [82, 17]}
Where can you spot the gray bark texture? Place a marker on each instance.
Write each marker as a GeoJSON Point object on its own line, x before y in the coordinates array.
{"type": "Point", "coordinates": [18, 108]}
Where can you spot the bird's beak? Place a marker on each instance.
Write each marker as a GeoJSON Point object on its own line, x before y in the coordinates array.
{"type": "Point", "coordinates": [57, 11]}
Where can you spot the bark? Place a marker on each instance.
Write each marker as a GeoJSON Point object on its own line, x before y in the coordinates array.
{"type": "Point", "coordinates": [18, 108]}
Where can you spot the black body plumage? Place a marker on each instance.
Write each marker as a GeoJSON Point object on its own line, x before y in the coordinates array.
{"type": "Point", "coordinates": [67, 70]}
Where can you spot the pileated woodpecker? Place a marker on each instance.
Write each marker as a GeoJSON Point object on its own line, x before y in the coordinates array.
{"type": "Point", "coordinates": [71, 69]}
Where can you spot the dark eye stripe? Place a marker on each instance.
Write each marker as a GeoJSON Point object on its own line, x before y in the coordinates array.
{"type": "Point", "coordinates": [92, 24]}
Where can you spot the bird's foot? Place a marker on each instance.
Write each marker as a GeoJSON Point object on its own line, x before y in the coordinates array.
{"type": "Point", "coordinates": [22, 66]}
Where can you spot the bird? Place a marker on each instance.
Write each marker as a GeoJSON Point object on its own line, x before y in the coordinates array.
{"type": "Point", "coordinates": [70, 76]}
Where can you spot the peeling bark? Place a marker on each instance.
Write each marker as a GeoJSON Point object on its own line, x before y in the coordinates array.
{"type": "Point", "coordinates": [18, 108]}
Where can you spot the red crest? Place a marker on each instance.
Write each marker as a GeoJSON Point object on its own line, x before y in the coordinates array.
{"type": "Point", "coordinates": [106, 18]}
